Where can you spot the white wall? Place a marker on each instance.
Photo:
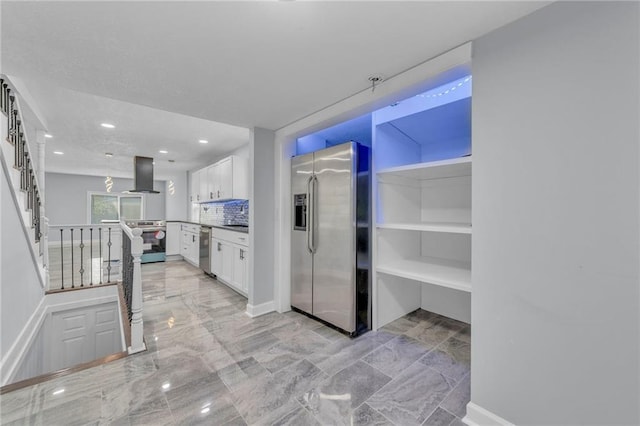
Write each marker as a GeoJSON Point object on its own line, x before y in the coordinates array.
{"type": "Point", "coordinates": [66, 197]}
{"type": "Point", "coordinates": [555, 306]}
{"type": "Point", "coordinates": [20, 287]}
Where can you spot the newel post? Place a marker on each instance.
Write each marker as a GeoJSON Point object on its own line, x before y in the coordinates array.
{"type": "Point", "coordinates": [137, 342]}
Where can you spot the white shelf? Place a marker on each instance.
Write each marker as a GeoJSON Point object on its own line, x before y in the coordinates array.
{"type": "Point", "coordinates": [451, 274]}
{"type": "Point", "coordinates": [453, 228]}
{"type": "Point", "coordinates": [431, 170]}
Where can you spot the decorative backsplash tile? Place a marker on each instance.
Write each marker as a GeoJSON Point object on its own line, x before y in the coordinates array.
{"type": "Point", "coordinates": [235, 212]}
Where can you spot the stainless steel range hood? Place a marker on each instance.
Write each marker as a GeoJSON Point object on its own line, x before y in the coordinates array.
{"type": "Point", "coordinates": [143, 175]}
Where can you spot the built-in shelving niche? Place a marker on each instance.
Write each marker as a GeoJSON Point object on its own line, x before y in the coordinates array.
{"type": "Point", "coordinates": [422, 150]}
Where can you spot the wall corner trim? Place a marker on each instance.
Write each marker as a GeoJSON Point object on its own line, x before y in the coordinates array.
{"type": "Point", "coordinates": [478, 416]}
{"type": "Point", "coordinates": [261, 309]}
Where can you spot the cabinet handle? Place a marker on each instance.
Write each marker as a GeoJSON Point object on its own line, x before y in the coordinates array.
{"type": "Point", "coordinates": [193, 238]}
{"type": "Point", "coordinates": [218, 193]}
{"type": "Point", "coordinates": [219, 247]}
{"type": "Point", "coordinates": [211, 195]}
{"type": "Point", "coordinates": [241, 254]}
{"type": "Point", "coordinates": [198, 197]}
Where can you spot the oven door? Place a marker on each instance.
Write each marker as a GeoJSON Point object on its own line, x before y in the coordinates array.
{"type": "Point", "coordinates": [153, 245]}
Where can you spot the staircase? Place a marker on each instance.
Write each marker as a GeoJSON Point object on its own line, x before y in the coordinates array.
{"type": "Point", "coordinates": [19, 170]}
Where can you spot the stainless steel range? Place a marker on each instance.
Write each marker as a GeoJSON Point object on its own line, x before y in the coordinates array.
{"type": "Point", "coordinates": [154, 239]}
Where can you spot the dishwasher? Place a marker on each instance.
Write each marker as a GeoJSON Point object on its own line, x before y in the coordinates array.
{"type": "Point", "coordinates": [205, 252]}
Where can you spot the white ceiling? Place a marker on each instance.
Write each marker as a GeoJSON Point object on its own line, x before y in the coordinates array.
{"type": "Point", "coordinates": [150, 67]}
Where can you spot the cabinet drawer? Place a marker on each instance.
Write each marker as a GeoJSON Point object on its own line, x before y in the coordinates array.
{"type": "Point", "coordinates": [191, 228]}
{"type": "Point", "coordinates": [233, 237]}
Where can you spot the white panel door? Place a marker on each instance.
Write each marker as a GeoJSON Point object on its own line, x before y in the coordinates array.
{"type": "Point", "coordinates": [84, 334]}
{"type": "Point", "coordinates": [106, 331]}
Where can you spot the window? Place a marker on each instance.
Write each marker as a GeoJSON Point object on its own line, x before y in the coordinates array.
{"type": "Point", "coordinates": [104, 206]}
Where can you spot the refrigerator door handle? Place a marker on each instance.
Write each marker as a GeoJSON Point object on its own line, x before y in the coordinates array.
{"type": "Point", "coordinates": [309, 214]}
{"type": "Point", "coordinates": [314, 182]}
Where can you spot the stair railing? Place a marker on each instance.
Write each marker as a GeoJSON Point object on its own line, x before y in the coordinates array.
{"type": "Point", "coordinates": [84, 255]}
{"type": "Point", "coordinates": [22, 161]}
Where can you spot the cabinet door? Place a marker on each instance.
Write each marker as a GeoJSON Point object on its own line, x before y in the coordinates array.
{"type": "Point", "coordinates": [222, 260]}
{"type": "Point", "coordinates": [240, 268]}
{"type": "Point", "coordinates": [226, 262]}
{"type": "Point", "coordinates": [195, 249]}
{"type": "Point", "coordinates": [173, 239]}
{"type": "Point", "coordinates": [224, 174]}
{"type": "Point", "coordinates": [184, 244]}
{"type": "Point", "coordinates": [195, 187]}
{"type": "Point", "coordinates": [203, 190]}
{"type": "Point", "coordinates": [216, 257]}
{"type": "Point", "coordinates": [211, 183]}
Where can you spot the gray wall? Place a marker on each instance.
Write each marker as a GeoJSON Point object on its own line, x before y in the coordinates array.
{"type": "Point", "coordinates": [555, 306]}
{"type": "Point", "coordinates": [66, 197]}
{"type": "Point", "coordinates": [261, 216]}
{"type": "Point", "coordinates": [177, 203]}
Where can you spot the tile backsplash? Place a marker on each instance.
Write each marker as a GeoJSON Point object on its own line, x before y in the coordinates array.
{"type": "Point", "coordinates": [235, 212]}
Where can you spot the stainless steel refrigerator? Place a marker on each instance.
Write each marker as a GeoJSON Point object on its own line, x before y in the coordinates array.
{"type": "Point", "coordinates": [330, 277]}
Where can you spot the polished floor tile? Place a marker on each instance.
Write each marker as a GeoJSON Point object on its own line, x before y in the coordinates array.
{"type": "Point", "coordinates": [207, 362]}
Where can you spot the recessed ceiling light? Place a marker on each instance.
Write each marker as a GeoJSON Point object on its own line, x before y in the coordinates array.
{"type": "Point", "coordinates": [108, 154]}
{"type": "Point", "coordinates": [58, 152]}
{"type": "Point", "coordinates": [108, 125]}
{"type": "Point", "coordinates": [163, 151]}
{"type": "Point", "coordinates": [203, 141]}
{"type": "Point", "coordinates": [47, 135]}
{"type": "Point", "coordinates": [172, 161]}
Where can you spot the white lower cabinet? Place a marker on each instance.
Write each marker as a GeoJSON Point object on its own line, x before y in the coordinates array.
{"type": "Point", "coordinates": [190, 243]}
{"type": "Point", "coordinates": [229, 258]}
{"type": "Point", "coordinates": [222, 260]}
{"type": "Point", "coordinates": [240, 268]}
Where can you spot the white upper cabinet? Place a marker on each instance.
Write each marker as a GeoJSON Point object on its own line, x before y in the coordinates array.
{"type": "Point", "coordinates": [227, 179]}
{"type": "Point", "coordinates": [194, 196]}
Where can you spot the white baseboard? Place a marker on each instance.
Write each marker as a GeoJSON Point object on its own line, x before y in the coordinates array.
{"type": "Point", "coordinates": [261, 309]}
{"type": "Point", "coordinates": [12, 360]}
{"type": "Point", "coordinates": [478, 416]}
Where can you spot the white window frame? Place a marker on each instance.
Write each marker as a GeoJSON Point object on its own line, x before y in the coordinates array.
{"type": "Point", "coordinates": [111, 194]}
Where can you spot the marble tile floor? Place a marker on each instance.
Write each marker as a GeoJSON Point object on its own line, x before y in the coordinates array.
{"type": "Point", "coordinates": [209, 363]}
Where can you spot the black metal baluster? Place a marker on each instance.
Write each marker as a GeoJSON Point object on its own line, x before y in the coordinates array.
{"type": "Point", "coordinates": [12, 115]}
{"type": "Point", "coordinates": [5, 98]}
{"type": "Point", "coordinates": [62, 258]}
{"type": "Point", "coordinates": [16, 137]}
{"type": "Point", "coordinates": [38, 207]}
{"type": "Point", "coordinates": [109, 260]}
{"type": "Point", "coordinates": [72, 265]}
{"type": "Point", "coordinates": [91, 254]}
{"type": "Point", "coordinates": [81, 258]}
{"type": "Point", "coordinates": [30, 189]}
{"type": "Point", "coordinates": [23, 170]}
{"type": "Point", "coordinates": [100, 247]}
